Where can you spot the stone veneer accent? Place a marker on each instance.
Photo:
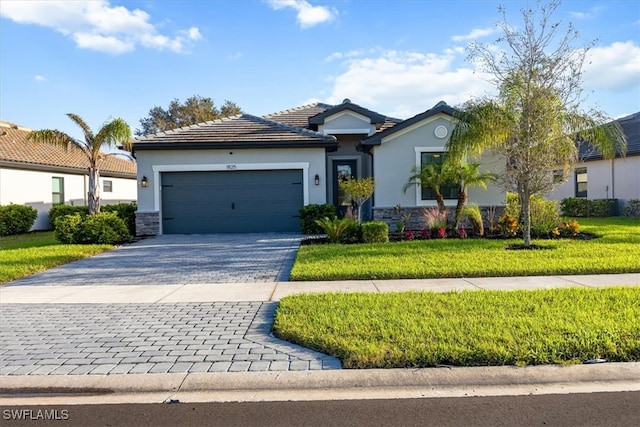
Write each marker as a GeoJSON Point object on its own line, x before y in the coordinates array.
{"type": "Point", "coordinates": [416, 220]}
{"type": "Point", "coordinates": [147, 223]}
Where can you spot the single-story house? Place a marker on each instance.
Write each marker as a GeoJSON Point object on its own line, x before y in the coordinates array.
{"type": "Point", "coordinates": [247, 173]}
{"type": "Point", "coordinates": [41, 175]}
{"type": "Point", "coordinates": [597, 178]}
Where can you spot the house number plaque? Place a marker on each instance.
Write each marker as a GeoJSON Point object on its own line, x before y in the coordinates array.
{"type": "Point", "coordinates": [232, 167]}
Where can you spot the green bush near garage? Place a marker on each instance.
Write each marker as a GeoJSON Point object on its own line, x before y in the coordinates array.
{"type": "Point", "coordinates": [309, 214]}
{"type": "Point", "coordinates": [101, 228]}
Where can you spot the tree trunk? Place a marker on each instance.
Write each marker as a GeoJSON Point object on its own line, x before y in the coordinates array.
{"type": "Point", "coordinates": [94, 191]}
{"type": "Point", "coordinates": [525, 211]}
{"type": "Point", "coordinates": [462, 199]}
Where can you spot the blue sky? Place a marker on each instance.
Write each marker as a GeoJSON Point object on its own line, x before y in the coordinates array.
{"type": "Point", "coordinates": [105, 59]}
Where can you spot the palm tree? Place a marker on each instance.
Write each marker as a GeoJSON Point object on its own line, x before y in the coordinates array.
{"type": "Point", "coordinates": [111, 134]}
{"type": "Point", "coordinates": [468, 175]}
{"type": "Point", "coordinates": [434, 176]}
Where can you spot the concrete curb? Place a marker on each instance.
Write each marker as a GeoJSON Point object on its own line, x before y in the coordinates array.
{"type": "Point", "coordinates": [322, 385]}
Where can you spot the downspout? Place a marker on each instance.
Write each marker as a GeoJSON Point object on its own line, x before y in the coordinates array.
{"type": "Point", "coordinates": [84, 182]}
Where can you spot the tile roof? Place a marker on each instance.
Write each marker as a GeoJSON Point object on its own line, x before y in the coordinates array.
{"type": "Point", "coordinates": [630, 126]}
{"type": "Point", "coordinates": [299, 116]}
{"type": "Point", "coordinates": [17, 150]}
{"type": "Point", "coordinates": [243, 130]}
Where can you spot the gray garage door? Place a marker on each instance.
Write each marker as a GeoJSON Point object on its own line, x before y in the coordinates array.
{"type": "Point", "coordinates": [231, 202]}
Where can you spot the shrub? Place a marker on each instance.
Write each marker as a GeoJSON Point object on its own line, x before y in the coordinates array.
{"type": "Point", "coordinates": [353, 233]}
{"type": "Point", "coordinates": [508, 225]}
{"type": "Point", "coordinates": [68, 228]}
{"type": "Point", "coordinates": [334, 228]}
{"type": "Point", "coordinates": [632, 208]}
{"type": "Point", "coordinates": [570, 228]}
{"type": "Point", "coordinates": [375, 232]}
{"type": "Point", "coordinates": [126, 211]}
{"type": "Point", "coordinates": [574, 207]}
{"type": "Point", "coordinates": [472, 213]}
{"type": "Point", "coordinates": [58, 211]}
{"type": "Point", "coordinates": [16, 219]}
{"type": "Point", "coordinates": [545, 215]}
{"type": "Point", "coordinates": [434, 219]}
{"type": "Point", "coordinates": [311, 213]}
{"type": "Point", "coordinates": [104, 227]}
{"type": "Point", "coordinates": [581, 208]}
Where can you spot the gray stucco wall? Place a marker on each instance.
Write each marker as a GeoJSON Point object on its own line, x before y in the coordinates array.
{"type": "Point", "coordinates": [399, 153]}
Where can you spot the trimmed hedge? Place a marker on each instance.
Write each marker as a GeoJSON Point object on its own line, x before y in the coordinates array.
{"type": "Point", "coordinates": [16, 219]}
{"type": "Point", "coordinates": [375, 232]}
{"type": "Point", "coordinates": [582, 208]}
{"type": "Point", "coordinates": [310, 213]}
{"type": "Point", "coordinates": [632, 208]}
{"type": "Point", "coordinates": [126, 211]}
{"type": "Point", "coordinates": [104, 227]}
{"type": "Point", "coordinates": [545, 215]}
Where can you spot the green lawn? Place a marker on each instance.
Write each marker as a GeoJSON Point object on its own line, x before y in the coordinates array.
{"type": "Point", "coordinates": [616, 251]}
{"type": "Point", "coordinates": [471, 328]}
{"type": "Point", "coordinates": [30, 253]}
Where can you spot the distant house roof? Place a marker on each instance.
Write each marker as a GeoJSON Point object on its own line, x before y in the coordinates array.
{"type": "Point", "coordinates": [630, 126]}
{"type": "Point", "coordinates": [311, 115]}
{"type": "Point", "coordinates": [376, 139]}
{"type": "Point", "coordinates": [19, 152]}
{"type": "Point", "coordinates": [241, 131]}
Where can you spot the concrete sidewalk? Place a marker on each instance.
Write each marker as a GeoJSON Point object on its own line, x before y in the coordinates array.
{"type": "Point", "coordinates": [240, 292]}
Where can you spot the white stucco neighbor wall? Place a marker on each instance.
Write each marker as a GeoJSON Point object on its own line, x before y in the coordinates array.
{"type": "Point", "coordinates": [614, 179]}
{"type": "Point", "coordinates": [34, 188]}
{"type": "Point", "coordinates": [152, 163]}
{"type": "Point", "coordinates": [394, 158]}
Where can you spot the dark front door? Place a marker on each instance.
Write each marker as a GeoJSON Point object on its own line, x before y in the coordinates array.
{"type": "Point", "coordinates": [342, 169]}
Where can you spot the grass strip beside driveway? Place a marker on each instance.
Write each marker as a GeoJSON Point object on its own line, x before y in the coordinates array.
{"type": "Point", "coordinates": [31, 253]}
{"type": "Point", "coordinates": [616, 251]}
{"type": "Point", "coordinates": [470, 328]}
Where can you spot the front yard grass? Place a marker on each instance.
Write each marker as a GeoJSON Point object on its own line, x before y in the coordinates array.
{"type": "Point", "coordinates": [30, 253]}
{"type": "Point", "coordinates": [470, 328]}
{"type": "Point", "coordinates": [617, 250]}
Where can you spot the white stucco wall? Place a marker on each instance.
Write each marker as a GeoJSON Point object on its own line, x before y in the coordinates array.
{"type": "Point", "coordinates": [394, 158]}
{"type": "Point", "coordinates": [34, 188]}
{"type": "Point", "coordinates": [347, 122]}
{"type": "Point", "coordinates": [152, 163]}
{"type": "Point", "coordinates": [616, 179]}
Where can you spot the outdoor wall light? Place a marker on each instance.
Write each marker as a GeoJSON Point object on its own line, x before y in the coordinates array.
{"type": "Point", "coordinates": [144, 182]}
{"type": "Point", "coordinates": [316, 180]}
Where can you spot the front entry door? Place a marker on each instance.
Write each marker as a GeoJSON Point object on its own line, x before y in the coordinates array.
{"type": "Point", "coordinates": [342, 169]}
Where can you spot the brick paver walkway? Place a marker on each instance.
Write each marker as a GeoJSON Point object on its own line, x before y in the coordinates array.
{"type": "Point", "coordinates": [182, 259]}
{"type": "Point", "coordinates": [80, 339]}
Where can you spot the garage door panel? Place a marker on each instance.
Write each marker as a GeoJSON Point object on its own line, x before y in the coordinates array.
{"type": "Point", "coordinates": [235, 201]}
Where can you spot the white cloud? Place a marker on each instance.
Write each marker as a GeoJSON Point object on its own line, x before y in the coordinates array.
{"type": "Point", "coordinates": [308, 15]}
{"type": "Point", "coordinates": [615, 67]}
{"type": "Point", "coordinates": [40, 78]}
{"type": "Point", "coordinates": [590, 14]}
{"type": "Point", "coordinates": [403, 83]}
{"type": "Point", "coordinates": [98, 26]}
{"type": "Point", "coordinates": [476, 33]}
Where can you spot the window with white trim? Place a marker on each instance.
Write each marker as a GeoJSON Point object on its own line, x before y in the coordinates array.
{"type": "Point", "coordinates": [581, 182]}
{"type": "Point", "coordinates": [57, 190]}
{"type": "Point", "coordinates": [107, 186]}
{"type": "Point", "coordinates": [448, 191]}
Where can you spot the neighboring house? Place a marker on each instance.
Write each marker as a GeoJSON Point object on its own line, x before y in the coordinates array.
{"type": "Point", "coordinates": [42, 175]}
{"type": "Point", "coordinates": [597, 178]}
{"type": "Point", "coordinates": [247, 173]}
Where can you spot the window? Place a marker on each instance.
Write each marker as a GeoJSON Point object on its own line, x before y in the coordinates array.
{"type": "Point", "coordinates": [448, 191]}
{"type": "Point", "coordinates": [57, 190]}
{"type": "Point", "coordinates": [107, 186]}
{"type": "Point", "coordinates": [581, 182]}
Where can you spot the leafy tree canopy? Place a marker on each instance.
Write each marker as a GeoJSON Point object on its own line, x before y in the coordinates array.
{"type": "Point", "coordinates": [196, 109]}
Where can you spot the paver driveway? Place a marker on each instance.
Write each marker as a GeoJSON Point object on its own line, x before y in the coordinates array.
{"type": "Point", "coordinates": [182, 259]}
{"type": "Point", "coordinates": [98, 338]}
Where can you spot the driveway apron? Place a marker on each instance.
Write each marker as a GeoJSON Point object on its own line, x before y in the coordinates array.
{"type": "Point", "coordinates": [103, 339]}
